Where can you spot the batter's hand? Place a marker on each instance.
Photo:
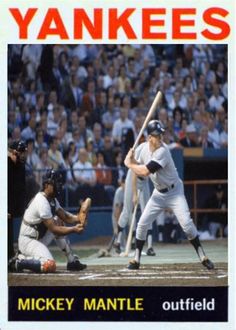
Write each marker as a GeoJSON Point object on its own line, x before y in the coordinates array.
{"type": "Point", "coordinates": [78, 228]}
{"type": "Point", "coordinates": [129, 159]}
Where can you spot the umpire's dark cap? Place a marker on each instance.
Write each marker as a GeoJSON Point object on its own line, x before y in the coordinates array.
{"type": "Point", "coordinates": [155, 128]}
{"type": "Point", "coordinates": [18, 145]}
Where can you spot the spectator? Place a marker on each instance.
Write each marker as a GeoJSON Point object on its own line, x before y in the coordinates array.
{"type": "Point", "coordinates": [85, 177]}
{"type": "Point", "coordinates": [220, 73]}
{"type": "Point", "coordinates": [92, 158]}
{"type": "Point", "coordinates": [163, 116]}
{"type": "Point", "coordinates": [97, 137]}
{"type": "Point", "coordinates": [40, 105]}
{"type": "Point", "coordinates": [177, 120]}
{"type": "Point", "coordinates": [190, 140]}
{"type": "Point", "coordinates": [52, 102]}
{"type": "Point", "coordinates": [84, 132]}
{"type": "Point", "coordinates": [53, 122]}
{"type": "Point", "coordinates": [62, 133]}
{"type": "Point", "coordinates": [42, 166]}
{"type": "Point", "coordinates": [122, 80]}
{"type": "Point", "coordinates": [29, 131]}
{"type": "Point", "coordinates": [203, 140]}
{"type": "Point", "coordinates": [63, 65]}
{"type": "Point", "coordinates": [72, 95]}
{"type": "Point", "coordinates": [197, 121]}
{"type": "Point", "coordinates": [88, 104]}
{"type": "Point", "coordinates": [70, 181]}
{"type": "Point", "coordinates": [101, 107]}
{"type": "Point", "coordinates": [104, 176]}
{"type": "Point", "coordinates": [217, 222]}
{"type": "Point", "coordinates": [216, 100]}
{"type": "Point", "coordinates": [131, 69]}
{"type": "Point", "coordinates": [31, 55]}
{"type": "Point", "coordinates": [55, 156]}
{"type": "Point", "coordinates": [220, 118]}
{"type": "Point", "coordinates": [121, 126]}
{"type": "Point", "coordinates": [78, 139]}
{"type": "Point", "coordinates": [74, 152]}
{"type": "Point", "coordinates": [108, 151]}
{"type": "Point", "coordinates": [109, 117]}
{"type": "Point", "coordinates": [47, 77]}
{"type": "Point", "coordinates": [78, 69]}
{"type": "Point", "coordinates": [83, 170]}
{"type": "Point", "coordinates": [213, 133]}
{"type": "Point", "coordinates": [224, 135]}
{"type": "Point", "coordinates": [80, 51]}
{"type": "Point", "coordinates": [73, 121]}
{"type": "Point", "coordinates": [109, 78]}
{"type": "Point", "coordinates": [32, 159]}
{"type": "Point", "coordinates": [119, 171]}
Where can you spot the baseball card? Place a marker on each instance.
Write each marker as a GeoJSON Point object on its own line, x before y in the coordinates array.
{"type": "Point", "coordinates": [117, 164]}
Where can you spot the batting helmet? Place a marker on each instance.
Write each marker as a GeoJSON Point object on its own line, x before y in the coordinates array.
{"type": "Point", "coordinates": [155, 127]}
{"type": "Point", "coordinates": [54, 178]}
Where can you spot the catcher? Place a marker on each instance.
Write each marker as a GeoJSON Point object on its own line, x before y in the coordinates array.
{"type": "Point", "coordinates": [39, 218]}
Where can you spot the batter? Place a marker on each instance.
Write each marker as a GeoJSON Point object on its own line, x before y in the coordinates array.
{"type": "Point", "coordinates": [156, 162]}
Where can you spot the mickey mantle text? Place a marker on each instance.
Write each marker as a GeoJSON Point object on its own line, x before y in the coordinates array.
{"type": "Point", "coordinates": [45, 304]}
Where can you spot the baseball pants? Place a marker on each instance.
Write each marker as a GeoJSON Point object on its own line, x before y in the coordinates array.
{"type": "Point", "coordinates": [175, 200]}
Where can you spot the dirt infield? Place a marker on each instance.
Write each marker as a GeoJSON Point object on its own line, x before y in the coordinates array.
{"type": "Point", "coordinates": [174, 265]}
{"type": "Point", "coordinates": [148, 275]}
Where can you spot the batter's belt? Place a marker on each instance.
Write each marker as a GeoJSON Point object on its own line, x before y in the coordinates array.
{"type": "Point", "coordinates": [165, 190]}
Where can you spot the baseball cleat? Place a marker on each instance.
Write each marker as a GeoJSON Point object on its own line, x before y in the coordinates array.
{"type": "Point", "coordinates": [207, 263]}
{"type": "Point", "coordinates": [133, 264]}
{"type": "Point", "coordinates": [151, 252]}
{"type": "Point", "coordinates": [76, 265]}
{"type": "Point", "coordinates": [13, 265]}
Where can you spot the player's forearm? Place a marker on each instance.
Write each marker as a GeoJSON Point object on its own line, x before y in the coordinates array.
{"type": "Point", "coordinates": [67, 217]}
{"type": "Point", "coordinates": [139, 170]}
{"type": "Point", "coordinates": [62, 230]}
{"type": "Point", "coordinates": [71, 218]}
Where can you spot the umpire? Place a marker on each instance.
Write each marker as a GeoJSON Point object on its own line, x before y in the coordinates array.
{"type": "Point", "coordinates": [16, 188]}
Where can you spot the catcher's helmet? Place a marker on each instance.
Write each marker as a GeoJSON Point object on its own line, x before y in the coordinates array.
{"type": "Point", "coordinates": [155, 127]}
{"type": "Point", "coordinates": [54, 178]}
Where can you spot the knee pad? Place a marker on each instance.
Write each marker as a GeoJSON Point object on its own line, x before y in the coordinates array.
{"type": "Point", "coordinates": [48, 266]}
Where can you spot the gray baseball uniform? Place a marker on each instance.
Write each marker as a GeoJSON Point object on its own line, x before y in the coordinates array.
{"type": "Point", "coordinates": [155, 161]}
{"type": "Point", "coordinates": [34, 237]}
{"type": "Point", "coordinates": [30, 231]}
{"type": "Point", "coordinates": [118, 200]}
{"type": "Point", "coordinates": [168, 192]}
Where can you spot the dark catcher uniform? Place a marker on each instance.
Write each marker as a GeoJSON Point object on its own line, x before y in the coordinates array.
{"type": "Point", "coordinates": [16, 197]}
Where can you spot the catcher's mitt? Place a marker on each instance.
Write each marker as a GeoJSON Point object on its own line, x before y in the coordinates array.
{"type": "Point", "coordinates": [83, 212]}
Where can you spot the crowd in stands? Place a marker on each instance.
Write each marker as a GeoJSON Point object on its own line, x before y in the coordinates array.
{"type": "Point", "coordinates": [80, 107]}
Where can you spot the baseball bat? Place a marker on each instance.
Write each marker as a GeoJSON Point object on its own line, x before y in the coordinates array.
{"type": "Point", "coordinates": [151, 111]}
{"type": "Point", "coordinates": [105, 252]}
{"type": "Point", "coordinates": [129, 239]}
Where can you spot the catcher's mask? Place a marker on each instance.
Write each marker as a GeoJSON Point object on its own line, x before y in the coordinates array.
{"type": "Point", "coordinates": [54, 178]}
{"type": "Point", "coordinates": [155, 128]}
